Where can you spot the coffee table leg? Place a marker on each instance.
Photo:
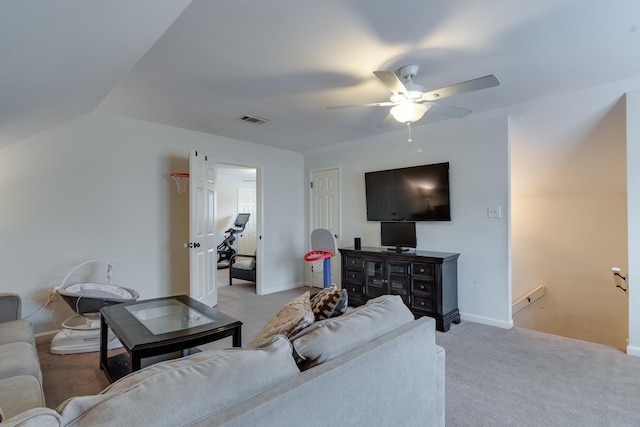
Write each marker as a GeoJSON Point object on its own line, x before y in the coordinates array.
{"type": "Point", "coordinates": [135, 362]}
{"type": "Point", "coordinates": [237, 336]}
{"type": "Point", "coordinates": [104, 332]}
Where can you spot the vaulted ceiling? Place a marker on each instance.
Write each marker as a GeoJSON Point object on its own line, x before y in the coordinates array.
{"type": "Point", "coordinates": [203, 64]}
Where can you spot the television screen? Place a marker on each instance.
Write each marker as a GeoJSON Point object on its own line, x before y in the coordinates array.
{"type": "Point", "coordinates": [418, 193]}
{"type": "Point", "coordinates": [398, 234]}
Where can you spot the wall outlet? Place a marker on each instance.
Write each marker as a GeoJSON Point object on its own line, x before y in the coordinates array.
{"type": "Point", "coordinates": [494, 211]}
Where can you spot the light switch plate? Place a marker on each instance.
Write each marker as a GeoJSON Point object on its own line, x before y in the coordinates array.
{"type": "Point", "coordinates": [494, 211]}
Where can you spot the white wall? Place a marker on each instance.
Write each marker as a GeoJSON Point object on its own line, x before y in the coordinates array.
{"type": "Point", "coordinates": [568, 243]}
{"type": "Point", "coordinates": [478, 153]}
{"type": "Point", "coordinates": [633, 206]}
{"type": "Point", "coordinates": [569, 212]}
{"type": "Point", "coordinates": [98, 187]}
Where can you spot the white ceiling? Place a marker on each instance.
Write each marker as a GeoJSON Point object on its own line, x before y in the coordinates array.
{"type": "Point", "coordinates": [202, 64]}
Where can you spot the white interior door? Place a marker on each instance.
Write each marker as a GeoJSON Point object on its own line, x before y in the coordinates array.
{"type": "Point", "coordinates": [247, 204]}
{"type": "Point", "coordinates": [202, 229]}
{"type": "Point", "coordinates": [324, 200]}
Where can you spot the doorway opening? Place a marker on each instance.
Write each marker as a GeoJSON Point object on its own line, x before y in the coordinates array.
{"type": "Point", "coordinates": [237, 193]}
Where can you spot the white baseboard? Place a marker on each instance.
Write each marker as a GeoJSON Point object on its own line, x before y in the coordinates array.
{"type": "Point", "coordinates": [632, 350]}
{"type": "Point", "coordinates": [284, 288]}
{"type": "Point", "coordinates": [45, 336]}
{"type": "Point", "coordinates": [487, 321]}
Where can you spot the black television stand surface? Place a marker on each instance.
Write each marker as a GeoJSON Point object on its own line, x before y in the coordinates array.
{"type": "Point", "coordinates": [426, 281]}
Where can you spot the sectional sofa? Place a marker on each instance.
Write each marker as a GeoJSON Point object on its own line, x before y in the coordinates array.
{"type": "Point", "coordinates": [20, 375]}
{"type": "Point", "coordinates": [374, 365]}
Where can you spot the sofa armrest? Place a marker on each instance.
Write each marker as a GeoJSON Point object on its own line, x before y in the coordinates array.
{"type": "Point", "coordinates": [440, 382]}
{"type": "Point", "coordinates": [10, 307]}
{"type": "Point", "coordinates": [36, 417]}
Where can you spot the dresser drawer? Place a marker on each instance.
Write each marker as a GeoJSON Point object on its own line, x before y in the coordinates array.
{"type": "Point", "coordinates": [355, 290]}
{"type": "Point", "coordinates": [353, 276]}
{"type": "Point", "coordinates": [423, 287]}
{"type": "Point", "coordinates": [353, 262]}
{"type": "Point", "coordinates": [423, 304]}
{"type": "Point", "coordinates": [422, 269]}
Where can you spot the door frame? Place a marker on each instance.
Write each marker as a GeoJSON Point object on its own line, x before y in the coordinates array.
{"type": "Point", "coordinates": [259, 216]}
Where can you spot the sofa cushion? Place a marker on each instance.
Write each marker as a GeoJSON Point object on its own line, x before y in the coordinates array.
{"type": "Point", "coordinates": [329, 302]}
{"type": "Point", "coordinates": [19, 394]}
{"type": "Point", "coordinates": [288, 321]}
{"type": "Point", "coordinates": [16, 331]}
{"type": "Point", "coordinates": [36, 417]}
{"type": "Point", "coordinates": [333, 337]}
{"type": "Point", "coordinates": [246, 264]}
{"type": "Point", "coordinates": [159, 395]}
{"type": "Point", "coordinates": [19, 358]}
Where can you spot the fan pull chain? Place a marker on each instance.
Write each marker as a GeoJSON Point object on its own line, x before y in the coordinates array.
{"type": "Point", "coordinates": [410, 139]}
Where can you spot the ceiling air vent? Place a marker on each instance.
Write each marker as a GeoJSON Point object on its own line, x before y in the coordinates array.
{"type": "Point", "coordinates": [253, 120]}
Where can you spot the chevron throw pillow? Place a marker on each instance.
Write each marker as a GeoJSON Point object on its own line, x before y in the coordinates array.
{"type": "Point", "coordinates": [329, 302]}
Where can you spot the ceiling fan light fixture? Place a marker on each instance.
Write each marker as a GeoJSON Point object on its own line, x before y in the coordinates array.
{"type": "Point", "coordinates": [408, 112]}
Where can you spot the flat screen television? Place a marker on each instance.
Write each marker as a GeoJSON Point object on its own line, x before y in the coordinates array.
{"type": "Point", "coordinates": [399, 235]}
{"type": "Point", "coordinates": [417, 193]}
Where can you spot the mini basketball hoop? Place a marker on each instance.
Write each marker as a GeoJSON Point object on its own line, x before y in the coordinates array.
{"type": "Point", "coordinates": [323, 247]}
{"type": "Point", "coordinates": [182, 181]}
{"type": "Point", "coordinates": [316, 258]}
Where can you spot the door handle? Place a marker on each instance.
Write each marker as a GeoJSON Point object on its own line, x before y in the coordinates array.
{"type": "Point", "coordinates": [192, 245]}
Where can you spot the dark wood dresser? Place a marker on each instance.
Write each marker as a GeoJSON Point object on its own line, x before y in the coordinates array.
{"type": "Point", "coordinates": [426, 281]}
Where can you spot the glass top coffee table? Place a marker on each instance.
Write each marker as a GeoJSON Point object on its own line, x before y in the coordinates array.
{"type": "Point", "coordinates": [160, 326]}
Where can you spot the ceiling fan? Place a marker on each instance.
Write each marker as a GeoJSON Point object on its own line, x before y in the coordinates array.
{"type": "Point", "coordinates": [410, 101]}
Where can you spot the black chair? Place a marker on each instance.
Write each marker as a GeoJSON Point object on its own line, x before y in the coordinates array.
{"type": "Point", "coordinates": [242, 266]}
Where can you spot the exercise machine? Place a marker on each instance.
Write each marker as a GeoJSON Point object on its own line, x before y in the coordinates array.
{"type": "Point", "coordinates": [225, 248]}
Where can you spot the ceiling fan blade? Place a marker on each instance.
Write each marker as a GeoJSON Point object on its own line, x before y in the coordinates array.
{"type": "Point", "coordinates": [447, 110]}
{"type": "Point", "coordinates": [373, 104]}
{"type": "Point", "coordinates": [458, 88]}
{"type": "Point", "coordinates": [392, 81]}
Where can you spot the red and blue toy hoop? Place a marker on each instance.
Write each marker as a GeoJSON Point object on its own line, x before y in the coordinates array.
{"type": "Point", "coordinates": [325, 257]}
{"type": "Point", "coordinates": [317, 255]}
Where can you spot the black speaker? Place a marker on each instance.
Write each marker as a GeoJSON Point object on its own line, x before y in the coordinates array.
{"type": "Point", "coordinates": [356, 243]}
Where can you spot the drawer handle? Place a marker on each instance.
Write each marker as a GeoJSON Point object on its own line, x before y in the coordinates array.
{"type": "Point", "coordinates": [422, 270]}
{"type": "Point", "coordinates": [422, 303]}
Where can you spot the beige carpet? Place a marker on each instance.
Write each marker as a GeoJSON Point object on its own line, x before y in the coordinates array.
{"type": "Point", "coordinates": [518, 377]}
